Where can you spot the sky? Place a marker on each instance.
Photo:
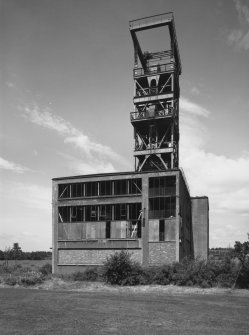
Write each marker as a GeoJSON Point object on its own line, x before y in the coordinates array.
{"type": "Point", "coordinates": [67, 92]}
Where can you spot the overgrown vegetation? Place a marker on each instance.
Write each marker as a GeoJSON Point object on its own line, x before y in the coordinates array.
{"type": "Point", "coordinates": [24, 276]}
{"type": "Point", "coordinates": [231, 270]}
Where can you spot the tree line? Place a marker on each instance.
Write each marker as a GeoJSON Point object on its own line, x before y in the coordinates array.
{"type": "Point", "coordinates": [15, 253]}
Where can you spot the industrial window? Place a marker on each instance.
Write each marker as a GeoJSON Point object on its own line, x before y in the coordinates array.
{"type": "Point", "coordinates": [134, 211]}
{"type": "Point", "coordinates": [134, 229]}
{"type": "Point", "coordinates": [91, 189]}
{"type": "Point", "coordinates": [105, 212]}
{"type": "Point", "coordinates": [64, 214]}
{"type": "Point", "coordinates": [91, 213]}
{"type": "Point", "coordinates": [64, 191]}
{"type": "Point", "coordinates": [105, 187]}
{"type": "Point", "coordinates": [162, 207]}
{"type": "Point", "coordinates": [161, 230]}
{"type": "Point", "coordinates": [108, 229]}
{"type": "Point", "coordinates": [135, 186]}
{"type": "Point", "coordinates": [120, 212]}
{"type": "Point", "coordinates": [77, 190]}
{"type": "Point", "coordinates": [120, 187]}
{"type": "Point", "coordinates": [162, 186]}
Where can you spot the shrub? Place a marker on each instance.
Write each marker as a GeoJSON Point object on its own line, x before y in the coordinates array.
{"type": "Point", "coordinates": [11, 280]}
{"type": "Point", "coordinates": [31, 278]}
{"type": "Point", "coordinates": [46, 269]}
{"type": "Point", "coordinates": [162, 275]}
{"type": "Point", "coordinates": [243, 278]}
{"type": "Point", "coordinates": [205, 284]}
{"type": "Point", "coordinates": [135, 277]}
{"type": "Point", "coordinates": [90, 274]}
{"type": "Point", "coordinates": [118, 267]}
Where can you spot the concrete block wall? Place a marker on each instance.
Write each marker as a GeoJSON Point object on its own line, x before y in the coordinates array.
{"type": "Point", "coordinates": [200, 226]}
{"type": "Point", "coordinates": [92, 257]}
{"type": "Point", "coordinates": [162, 252]}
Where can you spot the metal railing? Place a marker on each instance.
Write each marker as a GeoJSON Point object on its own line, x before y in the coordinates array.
{"type": "Point", "coordinates": [143, 92]}
{"type": "Point", "coordinates": [154, 69]}
{"type": "Point", "coordinates": [139, 115]}
{"type": "Point", "coordinates": [154, 145]}
{"type": "Point", "coordinates": [151, 20]}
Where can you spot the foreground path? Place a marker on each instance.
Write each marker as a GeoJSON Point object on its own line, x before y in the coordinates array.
{"type": "Point", "coordinates": [26, 311]}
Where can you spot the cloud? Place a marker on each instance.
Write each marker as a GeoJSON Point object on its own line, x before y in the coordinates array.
{"type": "Point", "coordinates": [93, 152]}
{"type": "Point", "coordinates": [11, 166]}
{"type": "Point", "coordinates": [91, 166]}
{"type": "Point", "coordinates": [240, 37]}
{"type": "Point", "coordinates": [210, 173]}
{"type": "Point", "coordinates": [28, 195]}
{"type": "Point", "coordinates": [223, 179]}
{"type": "Point", "coordinates": [193, 108]}
{"type": "Point", "coordinates": [195, 90]}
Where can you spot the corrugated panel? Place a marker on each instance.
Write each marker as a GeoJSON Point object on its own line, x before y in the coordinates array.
{"type": "Point", "coordinates": [88, 230]}
{"type": "Point", "coordinates": [60, 231]}
{"type": "Point", "coordinates": [123, 228]}
{"type": "Point", "coordinates": [93, 229]}
{"type": "Point", "coordinates": [69, 231]}
{"type": "Point", "coordinates": [74, 231]}
{"type": "Point", "coordinates": [100, 229]}
{"type": "Point", "coordinates": [153, 230]}
{"type": "Point", "coordinates": [170, 230]}
{"type": "Point", "coordinates": [115, 229]}
{"type": "Point", "coordinates": [83, 230]}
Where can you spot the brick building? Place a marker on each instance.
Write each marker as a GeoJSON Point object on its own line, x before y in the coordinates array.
{"type": "Point", "coordinates": [148, 212]}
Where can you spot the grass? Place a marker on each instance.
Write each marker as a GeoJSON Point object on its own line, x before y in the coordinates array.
{"type": "Point", "coordinates": [26, 311]}
{"type": "Point", "coordinates": [34, 264]}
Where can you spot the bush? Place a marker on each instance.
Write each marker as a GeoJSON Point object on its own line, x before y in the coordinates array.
{"type": "Point", "coordinates": [46, 269]}
{"type": "Point", "coordinates": [31, 278]}
{"type": "Point", "coordinates": [243, 279]}
{"type": "Point", "coordinates": [90, 274]}
{"type": "Point", "coordinates": [118, 268]}
{"type": "Point", "coordinates": [11, 280]}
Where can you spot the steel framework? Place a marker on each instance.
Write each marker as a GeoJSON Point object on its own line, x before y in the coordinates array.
{"type": "Point", "coordinates": [156, 99]}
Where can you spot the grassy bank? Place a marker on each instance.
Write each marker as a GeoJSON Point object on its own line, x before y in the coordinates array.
{"type": "Point", "coordinates": [25, 311]}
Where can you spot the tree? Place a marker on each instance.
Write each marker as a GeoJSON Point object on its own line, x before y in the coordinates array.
{"type": "Point", "coordinates": [16, 251]}
{"type": "Point", "coordinates": [241, 251]}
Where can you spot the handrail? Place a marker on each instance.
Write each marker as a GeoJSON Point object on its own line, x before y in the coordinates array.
{"type": "Point", "coordinates": [155, 145]}
{"type": "Point", "coordinates": [169, 67]}
{"type": "Point", "coordinates": [141, 92]}
{"type": "Point", "coordinates": [151, 114]}
{"type": "Point", "coordinates": [160, 18]}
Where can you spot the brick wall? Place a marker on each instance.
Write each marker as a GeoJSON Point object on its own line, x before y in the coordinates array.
{"type": "Point", "coordinates": [91, 257]}
{"type": "Point", "coordinates": [162, 252]}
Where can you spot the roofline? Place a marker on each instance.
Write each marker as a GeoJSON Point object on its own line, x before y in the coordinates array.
{"type": "Point", "coordinates": [113, 174]}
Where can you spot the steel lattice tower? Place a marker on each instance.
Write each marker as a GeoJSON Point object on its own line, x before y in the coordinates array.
{"type": "Point", "coordinates": [156, 99]}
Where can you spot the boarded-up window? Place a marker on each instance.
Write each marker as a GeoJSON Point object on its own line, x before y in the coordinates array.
{"type": "Point", "coordinates": [170, 230]}
{"type": "Point", "coordinates": [154, 230]}
{"type": "Point", "coordinates": [70, 231]}
{"type": "Point", "coordinates": [118, 229]}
